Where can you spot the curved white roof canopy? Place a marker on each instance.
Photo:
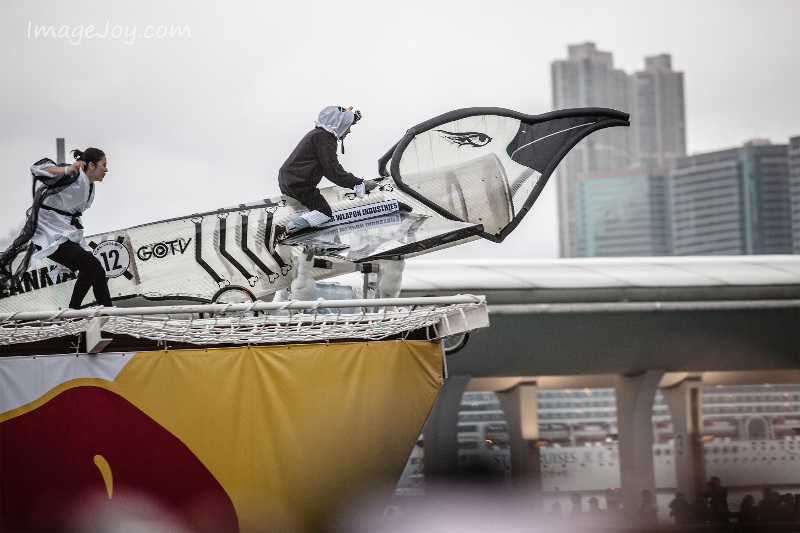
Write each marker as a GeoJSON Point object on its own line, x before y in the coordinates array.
{"type": "Point", "coordinates": [602, 273]}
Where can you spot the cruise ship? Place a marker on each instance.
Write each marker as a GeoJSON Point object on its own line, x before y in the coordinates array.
{"type": "Point", "coordinates": [751, 439]}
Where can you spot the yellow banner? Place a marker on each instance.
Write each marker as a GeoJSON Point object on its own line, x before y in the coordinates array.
{"type": "Point", "coordinates": [291, 433]}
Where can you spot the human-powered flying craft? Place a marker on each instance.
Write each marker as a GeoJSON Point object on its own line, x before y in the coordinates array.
{"type": "Point", "coordinates": [467, 174]}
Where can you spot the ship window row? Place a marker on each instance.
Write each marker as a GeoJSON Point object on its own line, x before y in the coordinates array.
{"type": "Point", "coordinates": [577, 403]}
{"type": "Point", "coordinates": [575, 393]}
{"type": "Point", "coordinates": [770, 408]}
{"type": "Point", "coordinates": [575, 415]}
{"type": "Point", "coordinates": [480, 407]}
{"type": "Point", "coordinates": [743, 390]}
{"type": "Point", "coordinates": [776, 406]}
{"type": "Point", "coordinates": [753, 460]}
{"type": "Point", "coordinates": [739, 389]}
{"type": "Point", "coordinates": [794, 398]}
{"type": "Point", "coordinates": [707, 411]}
{"type": "Point", "coordinates": [725, 450]}
{"type": "Point", "coordinates": [482, 417]}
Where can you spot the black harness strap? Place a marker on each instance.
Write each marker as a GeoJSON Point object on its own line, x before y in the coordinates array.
{"type": "Point", "coordinates": [75, 218]}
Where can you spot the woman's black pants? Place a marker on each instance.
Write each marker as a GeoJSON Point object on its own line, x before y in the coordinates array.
{"type": "Point", "coordinates": [90, 273]}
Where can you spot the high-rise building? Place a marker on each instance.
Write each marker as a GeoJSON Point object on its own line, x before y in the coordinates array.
{"type": "Point", "coordinates": [658, 122]}
{"type": "Point", "coordinates": [732, 201]}
{"type": "Point", "coordinates": [654, 97]}
{"type": "Point", "coordinates": [587, 78]}
{"type": "Point", "coordinates": [624, 213]}
{"type": "Point", "coordinates": [794, 186]}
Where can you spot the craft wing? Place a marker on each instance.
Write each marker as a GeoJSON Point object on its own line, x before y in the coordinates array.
{"type": "Point", "coordinates": [488, 165]}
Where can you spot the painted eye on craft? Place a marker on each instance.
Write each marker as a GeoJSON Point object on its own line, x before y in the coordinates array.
{"type": "Point", "coordinates": [467, 138]}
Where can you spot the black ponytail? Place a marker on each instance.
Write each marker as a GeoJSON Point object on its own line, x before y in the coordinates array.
{"type": "Point", "coordinates": [90, 155]}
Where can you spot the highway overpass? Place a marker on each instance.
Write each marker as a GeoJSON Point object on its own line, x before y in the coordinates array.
{"type": "Point", "coordinates": [635, 324]}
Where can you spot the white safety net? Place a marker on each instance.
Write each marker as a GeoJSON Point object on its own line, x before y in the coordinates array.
{"type": "Point", "coordinates": [18, 332]}
{"type": "Point", "coordinates": [246, 324]}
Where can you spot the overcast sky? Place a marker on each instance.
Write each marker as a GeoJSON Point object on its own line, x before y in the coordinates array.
{"type": "Point", "coordinates": [198, 103]}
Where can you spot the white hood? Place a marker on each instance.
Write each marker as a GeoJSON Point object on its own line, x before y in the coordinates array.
{"type": "Point", "coordinates": [335, 119]}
